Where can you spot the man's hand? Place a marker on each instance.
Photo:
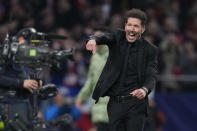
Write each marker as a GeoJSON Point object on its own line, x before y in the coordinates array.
{"type": "Point", "coordinates": [78, 103]}
{"type": "Point", "coordinates": [91, 46]}
{"type": "Point", "coordinates": [31, 84]}
{"type": "Point", "coordinates": [139, 93]}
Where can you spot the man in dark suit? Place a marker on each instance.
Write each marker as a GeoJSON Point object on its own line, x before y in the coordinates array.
{"type": "Point", "coordinates": [129, 74]}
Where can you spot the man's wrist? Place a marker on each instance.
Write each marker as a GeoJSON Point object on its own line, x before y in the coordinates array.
{"type": "Point", "coordinates": [92, 37]}
{"type": "Point", "coordinates": [145, 89]}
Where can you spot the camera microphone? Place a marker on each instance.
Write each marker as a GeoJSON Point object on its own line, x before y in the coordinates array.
{"type": "Point", "coordinates": [51, 36]}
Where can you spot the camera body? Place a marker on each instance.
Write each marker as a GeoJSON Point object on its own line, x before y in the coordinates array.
{"type": "Point", "coordinates": [34, 53]}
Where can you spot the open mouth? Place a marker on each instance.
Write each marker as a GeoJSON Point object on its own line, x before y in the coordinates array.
{"type": "Point", "coordinates": [132, 34]}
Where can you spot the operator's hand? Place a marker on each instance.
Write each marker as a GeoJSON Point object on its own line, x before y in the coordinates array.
{"type": "Point", "coordinates": [32, 84]}
{"type": "Point", "coordinates": [78, 103]}
{"type": "Point", "coordinates": [139, 93]}
{"type": "Point", "coordinates": [91, 46]}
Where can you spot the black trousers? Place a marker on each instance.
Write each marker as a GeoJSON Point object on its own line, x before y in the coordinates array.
{"type": "Point", "coordinates": [128, 115]}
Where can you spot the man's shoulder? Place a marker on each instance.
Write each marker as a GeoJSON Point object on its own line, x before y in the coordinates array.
{"type": "Point", "coordinates": [119, 30]}
{"type": "Point", "coordinates": [149, 44]}
{"type": "Point", "coordinates": [119, 33]}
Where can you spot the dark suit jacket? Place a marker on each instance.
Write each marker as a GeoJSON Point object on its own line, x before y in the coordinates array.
{"type": "Point", "coordinates": [12, 80]}
{"type": "Point", "coordinates": [146, 62]}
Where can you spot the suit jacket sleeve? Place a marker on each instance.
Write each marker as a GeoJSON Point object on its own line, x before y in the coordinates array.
{"type": "Point", "coordinates": [151, 69]}
{"type": "Point", "coordinates": [8, 81]}
{"type": "Point", "coordinates": [108, 39]}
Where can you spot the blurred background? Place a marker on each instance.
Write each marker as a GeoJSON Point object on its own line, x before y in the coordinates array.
{"type": "Point", "coordinates": [172, 26]}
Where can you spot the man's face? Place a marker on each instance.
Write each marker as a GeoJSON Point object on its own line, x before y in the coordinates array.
{"type": "Point", "coordinates": [133, 29]}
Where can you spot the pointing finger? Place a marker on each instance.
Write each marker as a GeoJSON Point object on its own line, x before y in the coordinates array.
{"type": "Point", "coordinates": [93, 49]}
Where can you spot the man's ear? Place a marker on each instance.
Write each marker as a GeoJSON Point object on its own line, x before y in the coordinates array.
{"type": "Point", "coordinates": [143, 29]}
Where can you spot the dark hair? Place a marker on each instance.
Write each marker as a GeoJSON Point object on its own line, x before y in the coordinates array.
{"type": "Point", "coordinates": [136, 13]}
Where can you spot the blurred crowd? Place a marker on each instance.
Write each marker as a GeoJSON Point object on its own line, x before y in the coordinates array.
{"type": "Point", "coordinates": [172, 26]}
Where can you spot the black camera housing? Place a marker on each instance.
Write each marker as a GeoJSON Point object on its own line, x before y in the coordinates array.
{"type": "Point", "coordinates": [34, 53]}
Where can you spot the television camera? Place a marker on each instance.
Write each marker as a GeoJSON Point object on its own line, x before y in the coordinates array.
{"type": "Point", "coordinates": [34, 53]}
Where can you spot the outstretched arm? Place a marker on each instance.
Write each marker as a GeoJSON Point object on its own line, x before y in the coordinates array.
{"type": "Point", "coordinates": [102, 39]}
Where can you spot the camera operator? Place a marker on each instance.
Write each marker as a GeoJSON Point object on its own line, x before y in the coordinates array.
{"type": "Point", "coordinates": [15, 88]}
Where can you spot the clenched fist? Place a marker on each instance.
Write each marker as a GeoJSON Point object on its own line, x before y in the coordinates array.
{"type": "Point", "coordinates": [91, 46]}
{"type": "Point", "coordinates": [139, 93]}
